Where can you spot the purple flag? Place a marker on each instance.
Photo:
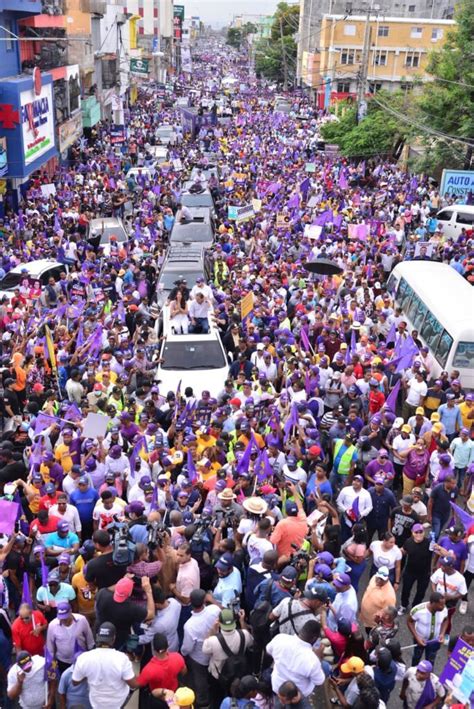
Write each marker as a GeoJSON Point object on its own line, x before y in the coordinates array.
{"type": "Point", "coordinates": [305, 340]}
{"type": "Point", "coordinates": [57, 223]}
{"type": "Point", "coordinates": [353, 347]}
{"type": "Point", "coordinates": [464, 517]}
{"type": "Point", "coordinates": [304, 187]}
{"type": "Point", "coordinates": [43, 421]}
{"type": "Point", "coordinates": [294, 201]}
{"type": "Point", "coordinates": [154, 499]}
{"type": "Point", "coordinates": [139, 446]}
{"type": "Point", "coordinates": [391, 334]}
{"type": "Point", "coordinates": [95, 342]}
{"type": "Point", "coordinates": [353, 511]}
{"type": "Point", "coordinates": [192, 472]}
{"type": "Point", "coordinates": [263, 469]}
{"type": "Point", "coordinates": [391, 401]}
{"type": "Point", "coordinates": [244, 463]}
{"type": "Point", "coordinates": [26, 593]}
{"type": "Point", "coordinates": [343, 183]}
{"type": "Point", "coordinates": [44, 570]}
{"type": "Point", "coordinates": [291, 422]}
{"type": "Point", "coordinates": [73, 413]}
{"type": "Point", "coordinates": [51, 671]}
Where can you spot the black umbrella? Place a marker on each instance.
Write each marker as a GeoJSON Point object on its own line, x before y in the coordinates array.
{"type": "Point", "coordinates": [323, 266]}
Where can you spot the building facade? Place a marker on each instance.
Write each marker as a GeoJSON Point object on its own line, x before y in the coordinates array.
{"type": "Point", "coordinates": [398, 52]}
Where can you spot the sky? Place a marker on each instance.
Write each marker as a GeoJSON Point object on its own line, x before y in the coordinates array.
{"type": "Point", "coordinates": [220, 12]}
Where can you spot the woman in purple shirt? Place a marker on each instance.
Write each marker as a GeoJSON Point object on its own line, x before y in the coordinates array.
{"type": "Point", "coordinates": [382, 466]}
{"type": "Point", "coordinates": [416, 467]}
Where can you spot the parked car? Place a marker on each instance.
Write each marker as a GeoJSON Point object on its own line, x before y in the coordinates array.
{"type": "Point", "coordinates": [41, 270]}
{"type": "Point", "coordinates": [198, 231]}
{"type": "Point", "coordinates": [100, 230]}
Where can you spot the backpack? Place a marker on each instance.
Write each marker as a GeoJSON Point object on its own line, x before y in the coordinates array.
{"type": "Point", "coordinates": [236, 664]}
{"type": "Point", "coordinates": [123, 551]}
{"type": "Point", "coordinates": [259, 617]}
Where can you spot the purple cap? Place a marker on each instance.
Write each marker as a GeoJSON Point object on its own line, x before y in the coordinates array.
{"type": "Point", "coordinates": [63, 609]}
{"type": "Point", "coordinates": [64, 559]}
{"type": "Point", "coordinates": [325, 557]}
{"type": "Point", "coordinates": [323, 570]}
{"type": "Point", "coordinates": [424, 666]}
{"type": "Point", "coordinates": [342, 580]}
{"type": "Point", "coordinates": [379, 479]}
{"type": "Point", "coordinates": [225, 562]}
{"type": "Point", "coordinates": [63, 526]}
{"type": "Point", "coordinates": [417, 528]}
{"type": "Point", "coordinates": [220, 485]}
{"type": "Point", "coordinates": [50, 488]}
{"type": "Point", "coordinates": [445, 458]}
{"type": "Point", "coordinates": [136, 507]}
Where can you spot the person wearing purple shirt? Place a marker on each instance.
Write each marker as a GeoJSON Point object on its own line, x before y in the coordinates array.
{"type": "Point", "coordinates": [381, 466]}
{"type": "Point", "coordinates": [453, 542]}
{"type": "Point", "coordinates": [66, 634]}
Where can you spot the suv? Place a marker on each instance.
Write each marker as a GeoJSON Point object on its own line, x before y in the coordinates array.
{"type": "Point", "coordinates": [183, 262]}
{"type": "Point", "coordinates": [198, 231]}
{"type": "Point", "coordinates": [203, 198]}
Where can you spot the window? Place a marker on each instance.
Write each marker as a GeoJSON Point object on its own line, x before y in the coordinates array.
{"type": "Point", "coordinates": [436, 34]}
{"type": "Point", "coordinates": [8, 32]}
{"type": "Point", "coordinates": [412, 60]}
{"type": "Point", "coordinates": [380, 58]}
{"type": "Point", "coordinates": [465, 218]}
{"type": "Point", "coordinates": [464, 357]}
{"type": "Point", "coordinates": [347, 56]}
{"type": "Point", "coordinates": [413, 308]}
{"type": "Point", "coordinates": [416, 32]}
{"type": "Point", "coordinates": [343, 87]}
{"type": "Point", "coordinates": [444, 348]}
{"type": "Point", "coordinates": [431, 331]}
{"type": "Point", "coordinates": [383, 31]}
{"type": "Point", "coordinates": [445, 215]}
{"type": "Point", "coordinates": [375, 86]}
{"type": "Point", "coordinates": [406, 86]}
{"type": "Point", "coordinates": [350, 30]}
{"type": "Point", "coordinates": [411, 8]}
{"type": "Point", "coordinates": [419, 316]}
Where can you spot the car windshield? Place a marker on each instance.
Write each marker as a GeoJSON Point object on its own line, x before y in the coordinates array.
{"type": "Point", "coordinates": [168, 278]}
{"type": "Point", "coordinates": [188, 355]}
{"type": "Point", "coordinates": [197, 200]}
{"type": "Point", "coordinates": [12, 280]}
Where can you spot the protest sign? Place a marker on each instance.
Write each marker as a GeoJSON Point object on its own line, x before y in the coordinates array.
{"type": "Point", "coordinates": [95, 425]}
{"type": "Point", "coordinates": [8, 515]}
{"type": "Point", "coordinates": [257, 205]}
{"type": "Point", "coordinates": [456, 661]}
{"type": "Point", "coordinates": [312, 231]}
{"type": "Point", "coordinates": [48, 190]}
{"type": "Point", "coordinates": [240, 214]}
{"type": "Point", "coordinates": [310, 167]}
{"type": "Point", "coordinates": [246, 305]}
{"type": "Point", "coordinates": [283, 220]}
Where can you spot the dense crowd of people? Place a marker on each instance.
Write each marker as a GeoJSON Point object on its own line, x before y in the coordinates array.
{"type": "Point", "coordinates": [256, 545]}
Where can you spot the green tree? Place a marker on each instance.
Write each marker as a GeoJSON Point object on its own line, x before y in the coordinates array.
{"type": "Point", "coordinates": [446, 104]}
{"type": "Point", "coordinates": [276, 56]}
{"type": "Point", "coordinates": [234, 37]}
{"type": "Point", "coordinates": [378, 134]}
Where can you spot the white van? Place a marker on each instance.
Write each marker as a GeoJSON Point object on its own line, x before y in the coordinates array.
{"type": "Point", "coordinates": [455, 218]}
{"type": "Point", "coordinates": [41, 270]}
{"type": "Point", "coordinates": [439, 303]}
{"type": "Point", "coordinates": [197, 361]}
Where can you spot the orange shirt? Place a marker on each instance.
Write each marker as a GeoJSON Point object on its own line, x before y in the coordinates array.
{"type": "Point", "coordinates": [289, 531]}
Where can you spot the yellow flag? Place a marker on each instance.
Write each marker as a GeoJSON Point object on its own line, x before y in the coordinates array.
{"type": "Point", "coordinates": [50, 346]}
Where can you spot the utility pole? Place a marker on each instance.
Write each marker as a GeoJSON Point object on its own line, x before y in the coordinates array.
{"type": "Point", "coordinates": [364, 69]}
{"type": "Point", "coordinates": [283, 56]}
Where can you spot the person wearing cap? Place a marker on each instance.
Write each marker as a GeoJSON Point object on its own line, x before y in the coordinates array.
{"type": "Point", "coordinates": [108, 671]}
{"type": "Point", "coordinates": [28, 630]}
{"type": "Point", "coordinates": [276, 588]}
{"type": "Point", "coordinates": [451, 584]}
{"type": "Point", "coordinates": [294, 659]}
{"type": "Point", "coordinates": [66, 633]}
{"type": "Point", "coordinates": [49, 498]}
{"type": "Point", "coordinates": [26, 682]}
{"type": "Point", "coordinates": [415, 470]}
{"type": "Point", "coordinates": [427, 622]}
{"type": "Point", "coordinates": [62, 541]}
{"type": "Point", "coordinates": [452, 544]}
{"type": "Point", "coordinates": [378, 596]}
{"type": "Point", "coordinates": [355, 503]}
{"type": "Point", "coordinates": [402, 441]}
{"type": "Point", "coordinates": [435, 396]}
{"type": "Point", "coordinates": [67, 512]}
{"type": "Point", "coordinates": [196, 630]}
{"type": "Point", "coordinates": [420, 425]}
{"type": "Point", "coordinates": [417, 569]}
{"type": "Point", "coordinates": [439, 508]}
{"type": "Point", "coordinates": [48, 597]}
{"type": "Point", "coordinates": [416, 390]}
{"type": "Point", "coordinates": [381, 466]}
{"type": "Point", "coordinates": [383, 502]}
{"type": "Point", "coordinates": [114, 606]}
{"type": "Point", "coordinates": [402, 519]}
{"type": "Point", "coordinates": [421, 688]}
{"type": "Point", "coordinates": [290, 532]}
{"type": "Point", "coordinates": [224, 640]}
{"type": "Point", "coordinates": [346, 686]}
{"type": "Point", "coordinates": [84, 500]}
{"type": "Point", "coordinates": [462, 450]}
{"type": "Point", "coordinates": [292, 613]}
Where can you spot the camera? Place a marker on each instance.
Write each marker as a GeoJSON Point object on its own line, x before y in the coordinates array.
{"type": "Point", "coordinates": [156, 535]}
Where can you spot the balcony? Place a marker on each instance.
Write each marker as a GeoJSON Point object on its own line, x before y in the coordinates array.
{"type": "Point", "coordinates": [52, 15]}
{"type": "Point", "coordinates": [47, 55]}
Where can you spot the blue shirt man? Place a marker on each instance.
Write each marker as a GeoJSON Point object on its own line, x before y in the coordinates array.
{"type": "Point", "coordinates": [383, 502]}
{"type": "Point", "coordinates": [450, 416]}
{"type": "Point", "coordinates": [84, 499]}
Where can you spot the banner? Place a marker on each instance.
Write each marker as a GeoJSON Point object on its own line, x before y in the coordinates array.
{"type": "Point", "coordinates": [246, 305]}
{"type": "Point", "coordinates": [139, 67]}
{"type": "Point", "coordinates": [283, 220]}
{"type": "Point", "coordinates": [118, 135]}
{"type": "Point", "coordinates": [457, 183]}
{"type": "Point", "coordinates": [456, 661]}
{"type": "Point", "coordinates": [3, 157]}
{"type": "Point", "coordinates": [312, 231]}
{"type": "Point", "coordinates": [310, 167]}
{"type": "Point", "coordinates": [240, 214]}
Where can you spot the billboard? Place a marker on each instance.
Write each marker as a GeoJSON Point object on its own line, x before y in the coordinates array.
{"type": "Point", "coordinates": [37, 122]}
{"type": "Point", "coordinates": [458, 183]}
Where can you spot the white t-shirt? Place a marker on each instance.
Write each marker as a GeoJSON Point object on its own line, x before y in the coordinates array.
{"type": "Point", "coordinates": [449, 584]}
{"type": "Point", "coordinates": [105, 517]}
{"type": "Point", "coordinates": [32, 693]}
{"type": "Point", "coordinates": [470, 554]}
{"type": "Point", "coordinates": [427, 624]}
{"type": "Point", "coordinates": [384, 557]}
{"type": "Point", "coordinates": [415, 688]}
{"type": "Point", "coordinates": [256, 547]}
{"type": "Point", "coordinates": [416, 392]}
{"type": "Point", "coordinates": [401, 444]}
{"type": "Point", "coordinates": [107, 671]}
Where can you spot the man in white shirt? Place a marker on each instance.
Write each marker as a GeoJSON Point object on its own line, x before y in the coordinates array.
{"type": "Point", "coordinates": [415, 397]}
{"type": "Point", "coordinates": [196, 630]}
{"type": "Point", "coordinates": [25, 681]}
{"type": "Point", "coordinates": [427, 622]}
{"type": "Point", "coordinates": [201, 287]}
{"type": "Point", "coordinates": [108, 671]}
{"type": "Point", "coordinates": [295, 660]}
{"type": "Point", "coordinates": [346, 503]}
{"type": "Point", "coordinates": [346, 598]}
{"type": "Point", "coordinates": [64, 510]}
{"type": "Point", "coordinates": [198, 312]}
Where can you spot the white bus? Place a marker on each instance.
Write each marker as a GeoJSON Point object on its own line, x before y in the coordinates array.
{"type": "Point", "coordinates": [438, 303]}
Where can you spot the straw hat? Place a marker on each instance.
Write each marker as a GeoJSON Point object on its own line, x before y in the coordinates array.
{"type": "Point", "coordinates": [226, 494]}
{"type": "Point", "coordinates": [255, 505]}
